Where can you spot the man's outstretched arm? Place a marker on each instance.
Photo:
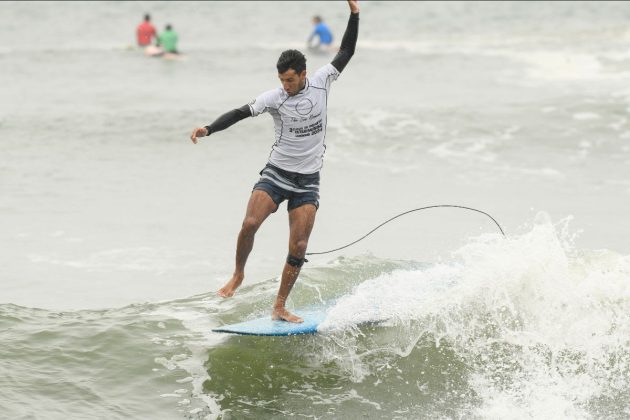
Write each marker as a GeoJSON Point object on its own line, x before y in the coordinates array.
{"type": "Point", "coordinates": [349, 40]}
{"type": "Point", "coordinates": [223, 122]}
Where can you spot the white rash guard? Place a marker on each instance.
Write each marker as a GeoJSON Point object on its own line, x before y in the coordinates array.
{"type": "Point", "coordinates": [300, 122]}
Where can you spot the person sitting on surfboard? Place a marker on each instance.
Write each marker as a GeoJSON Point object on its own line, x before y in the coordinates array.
{"type": "Point", "coordinates": [145, 32]}
{"type": "Point", "coordinates": [168, 40]}
{"type": "Point", "coordinates": [322, 32]}
{"type": "Point", "coordinates": [299, 113]}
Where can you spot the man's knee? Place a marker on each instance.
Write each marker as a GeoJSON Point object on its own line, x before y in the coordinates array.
{"type": "Point", "coordinates": [250, 225]}
{"type": "Point", "coordinates": [299, 247]}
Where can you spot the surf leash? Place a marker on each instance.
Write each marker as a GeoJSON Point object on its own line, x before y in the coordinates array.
{"type": "Point", "coordinates": [402, 214]}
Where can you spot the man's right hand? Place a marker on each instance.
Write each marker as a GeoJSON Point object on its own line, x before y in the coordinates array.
{"type": "Point", "coordinates": [198, 132]}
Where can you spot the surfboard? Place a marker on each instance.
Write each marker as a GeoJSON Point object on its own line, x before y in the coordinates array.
{"type": "Point", "coordinates": [152, 51]}
{"type": "Point", "coordinates": [265, 326]}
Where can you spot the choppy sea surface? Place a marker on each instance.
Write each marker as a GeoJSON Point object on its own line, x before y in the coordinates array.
{"type": "Point", "coordinates": [116, 230]}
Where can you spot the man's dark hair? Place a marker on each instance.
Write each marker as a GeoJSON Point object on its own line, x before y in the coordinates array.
{"type": "Point", "coordinates": [147, 17]}
{"type": "Point", "coordinates": [169, 27]}
{"type": "Point", "coordinates": [291, 59]}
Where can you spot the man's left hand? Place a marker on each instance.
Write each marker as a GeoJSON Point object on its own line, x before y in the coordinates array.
{"type": "Point", "coordinates": [354, 6]}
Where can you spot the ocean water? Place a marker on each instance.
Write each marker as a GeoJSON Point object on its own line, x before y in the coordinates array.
{"type": "Point", "coordinates": [116, 230]}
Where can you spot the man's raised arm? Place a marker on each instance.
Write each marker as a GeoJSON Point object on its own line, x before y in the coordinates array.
{"type": "Point", "coordinates": [223, 122]}
{"type": "Point", "coordinates": [349, 40]}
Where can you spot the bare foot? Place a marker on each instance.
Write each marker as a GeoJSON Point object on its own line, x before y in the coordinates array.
{"type": "Point", "coordinates": [231, 286]}
{"type": "Point", "coordinates": [281, 314]}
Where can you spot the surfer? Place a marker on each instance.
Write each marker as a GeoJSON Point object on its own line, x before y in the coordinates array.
{"type": "Point", "coordinates": [145, 32]}
{"type": "Point", "coordinates": [299, 113]}
{"type": "Point", "coordinates": [168, 40]}
{"type": "Point", "coordinates": [323, 34]}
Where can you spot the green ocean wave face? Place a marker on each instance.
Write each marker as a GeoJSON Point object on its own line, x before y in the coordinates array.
{"type": "Point", "coordinates": [518, 327]}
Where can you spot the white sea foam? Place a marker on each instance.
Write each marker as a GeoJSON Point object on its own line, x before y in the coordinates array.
{"type": "Point", "coordinates": [193, 361]}
{"type": "Point", "coordinates": [582, 116]}
{"type": "Point", "coordinates": [467, 148]}
{"type": "Point", "coordinates": [558, 313]}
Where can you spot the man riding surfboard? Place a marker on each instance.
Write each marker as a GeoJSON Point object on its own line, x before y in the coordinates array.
{"type": "Point", "coordinates": [299, 111]}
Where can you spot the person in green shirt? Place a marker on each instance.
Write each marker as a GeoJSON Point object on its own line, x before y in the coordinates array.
{"type": "Point", "coordinates": [168, 40]}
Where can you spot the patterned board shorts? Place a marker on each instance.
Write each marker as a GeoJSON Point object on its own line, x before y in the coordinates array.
{"type": "Point", "coordinates": [282, 185]}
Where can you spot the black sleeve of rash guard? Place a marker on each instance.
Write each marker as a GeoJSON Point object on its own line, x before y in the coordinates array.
{"type": "Point", "coordinates": [229, 118]}
{"type": "Point", "coordinates": [348, 43]}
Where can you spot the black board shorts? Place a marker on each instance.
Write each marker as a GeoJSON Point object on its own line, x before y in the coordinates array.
{"type": "Point", "coordinates": [298, 189]}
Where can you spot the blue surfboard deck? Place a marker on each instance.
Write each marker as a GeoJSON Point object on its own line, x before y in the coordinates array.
{"type": "Point", "coordinates": [267, 327]}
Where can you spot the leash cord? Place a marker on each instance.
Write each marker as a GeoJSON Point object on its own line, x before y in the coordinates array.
{"type": "Point", "coordinates": [402, 214]}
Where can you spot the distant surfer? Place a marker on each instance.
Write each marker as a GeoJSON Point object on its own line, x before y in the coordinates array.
{"type": "Point", "coordinates": [299, 113]}
{"type": "Point", "coordinates": [167, 40]}
{"type": "Point", "coordinates": [322, 33]}
{"type": "Point", "coordinates": [145, 32]}
{"type": "Point", "coordinates": [166, 45]}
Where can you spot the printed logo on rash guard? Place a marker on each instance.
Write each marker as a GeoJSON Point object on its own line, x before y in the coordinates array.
{"type": "Point", "coordinates": [304, 107]}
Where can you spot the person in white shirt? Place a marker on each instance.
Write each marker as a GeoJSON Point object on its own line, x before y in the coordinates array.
{"type": "Point", "coordinates": [299, 111]}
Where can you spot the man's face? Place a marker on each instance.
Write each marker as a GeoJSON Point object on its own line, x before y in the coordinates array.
{"type": "Point", "coordinates": [292, 82]}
